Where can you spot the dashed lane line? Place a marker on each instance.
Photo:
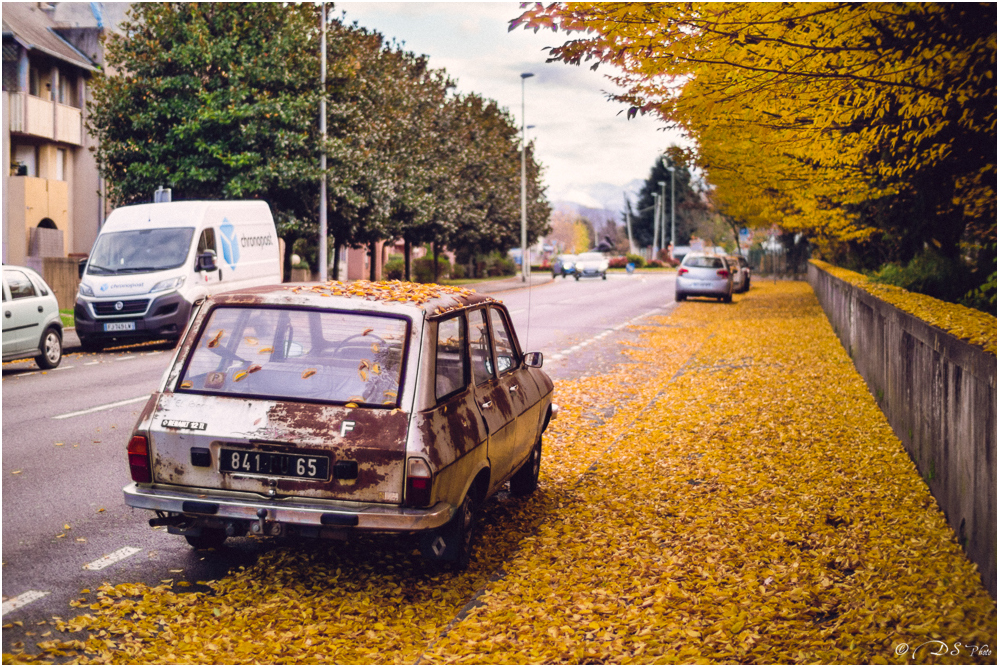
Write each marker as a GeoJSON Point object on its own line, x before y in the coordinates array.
{"type": "Point", "coordinates": [24, 598]}
{"type": "Point", "coordinates": [561, 354]}
{"type": "Point", "coordinates": [112, 558]}
{"type": "Point", "coordinates": [98, 408]}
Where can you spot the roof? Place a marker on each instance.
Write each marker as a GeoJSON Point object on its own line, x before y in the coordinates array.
{"type": "Point", "coordinates": [187, 213]}
{"type": "Point", "coordinates": [390, 297]}
{"type": "Point", "coordinates": [34, 30]}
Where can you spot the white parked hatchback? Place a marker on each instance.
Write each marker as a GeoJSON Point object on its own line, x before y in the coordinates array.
{"type": "Point", "coordinates": [701, 274]}
{"type": "Point", "coordinates": [31, 323]}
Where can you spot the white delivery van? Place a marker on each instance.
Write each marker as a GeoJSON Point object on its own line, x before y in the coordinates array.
{"type": "Point", "coordinates": [152, 262]}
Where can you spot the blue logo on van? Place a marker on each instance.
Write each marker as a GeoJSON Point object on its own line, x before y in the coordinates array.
{"type": "Point", "coordinates": [230, 245]}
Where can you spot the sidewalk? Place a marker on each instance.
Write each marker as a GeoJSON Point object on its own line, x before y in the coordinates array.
{"type": "Point", "coordinates": [733, 495]}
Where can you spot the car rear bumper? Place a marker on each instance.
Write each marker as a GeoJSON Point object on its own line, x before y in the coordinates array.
{"type": "Point", "coordinates": [694, 287]}
{"type": "Point", "coordinates": [228, 505]}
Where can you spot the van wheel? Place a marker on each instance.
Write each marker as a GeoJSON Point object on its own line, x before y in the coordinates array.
{"type": "Point", "coordinates": [525, 481]}
{"type": "Point", "coordinates": [210, 538]}
{"type": "Point", "coordinates": [604, 276]}
{"type": "Point", "coordinates": [90, 345]}
{"type": "Point", "coordinates": [681, 297]}
{"type": "Point", "coordinates": [577, 277]}
{"type": "Point", "coordinates": [51, 349]}
{"type": "Point", "coordinates": [727, 298]}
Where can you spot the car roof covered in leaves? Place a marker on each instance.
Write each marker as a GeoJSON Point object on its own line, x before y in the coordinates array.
{"type": "Point", "coordinates": [390, 296]}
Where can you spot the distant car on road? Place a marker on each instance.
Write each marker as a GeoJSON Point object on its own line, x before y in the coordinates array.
{"type": "Point", "coordinates": [591, 265]}
{"type": "Point", "coordinates": [31, 323]}
{"type": "Point", "coordinates": [335, 410]}
{"type": "Point", "coordinates": [564, 265]}
{"type": "Point", "coordinates": [701, 274]}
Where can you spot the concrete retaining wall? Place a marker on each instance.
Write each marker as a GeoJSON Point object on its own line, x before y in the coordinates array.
{"type": "Point", "coordinates": [939, 395]}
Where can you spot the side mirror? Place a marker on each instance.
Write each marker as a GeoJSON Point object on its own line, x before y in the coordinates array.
{"type": "Point", "coordinates": [82, 267]}
{"type": "Point", "coordinates": [206, 261]}
{"type": "Point", "coordinates": [534, 359]}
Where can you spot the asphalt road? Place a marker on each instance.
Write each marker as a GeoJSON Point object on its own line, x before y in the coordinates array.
{"type": "Point", "coordinates": [65, 526]}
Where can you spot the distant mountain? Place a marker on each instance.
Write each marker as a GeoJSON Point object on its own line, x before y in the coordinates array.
{"type": "Point", "coordinates": [598, 200]}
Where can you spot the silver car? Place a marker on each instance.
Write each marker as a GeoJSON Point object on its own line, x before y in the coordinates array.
{"type": "Point", "coordinates": [741, 272]}
{"type": "Point", "coordinates": [31, 323]}
{"type": "Point", "coordinates": [340, 409]}
{"type": "Point", "coordinates": [701, 274]}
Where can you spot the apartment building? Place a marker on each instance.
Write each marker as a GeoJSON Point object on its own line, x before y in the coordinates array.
{"type": "Point", "coordinates": [52, 193]}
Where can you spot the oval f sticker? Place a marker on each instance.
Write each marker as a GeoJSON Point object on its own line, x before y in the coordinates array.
{"type": "Point", "coordinates": [345, 427]}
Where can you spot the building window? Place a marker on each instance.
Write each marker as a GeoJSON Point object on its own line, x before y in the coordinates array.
{"type": "Point", "coordinates": [34, 82]}
{"type": "Point", "coordinates": [61, 164]}
{"type": "Point", "coordinates": [27, 160]}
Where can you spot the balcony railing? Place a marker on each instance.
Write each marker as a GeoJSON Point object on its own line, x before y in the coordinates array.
{"type": "Point", "coordinates": [43, 118]}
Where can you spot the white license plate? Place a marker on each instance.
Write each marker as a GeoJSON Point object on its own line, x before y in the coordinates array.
{"type": "Point", "coordinates": [119, 326]}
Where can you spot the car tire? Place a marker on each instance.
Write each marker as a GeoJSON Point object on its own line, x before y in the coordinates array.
{"type": "Point", "coordinates": [210, 538]}
{"type": "Point", "coordinates": [680, 297]}
{"type": "Point", "coordinates": [465, 532]}
{"type": "Point", "coordinates": [51, 347]}
{"type": "Point", "coordinates": [746, 288]}
{"type": "Point", "coordinates": [604, 276]}
{"type": "Point", "coordinates": [525, 481]}
{"type": "Point", "coordinates": [727, 298]}
{"type": "Point", "coordinates": [577, 277]}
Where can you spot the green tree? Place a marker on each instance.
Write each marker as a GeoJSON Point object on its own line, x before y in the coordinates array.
{"type": "Point", "coordinates": [213, 100]}
{"type": "Point", "coordinates": [688, 202]}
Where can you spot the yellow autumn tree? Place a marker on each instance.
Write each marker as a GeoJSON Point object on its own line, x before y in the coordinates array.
{"type": "Point", "coordinates": [813, 116]}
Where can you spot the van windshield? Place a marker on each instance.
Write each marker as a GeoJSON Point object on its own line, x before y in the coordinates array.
{"type": "Point", "coordinates": [296, 354]}
{"type": "Point", "coordinates": [140, 251]}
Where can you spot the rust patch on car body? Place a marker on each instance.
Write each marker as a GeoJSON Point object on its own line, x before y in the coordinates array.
{"type": "Point", "coordinates": [448, 431]}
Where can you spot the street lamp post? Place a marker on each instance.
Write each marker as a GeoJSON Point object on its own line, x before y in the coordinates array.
{"type": "Point", "coordinates": [323, 250]}
{"type": "Point", "coordinates": [661, 220]}
{"type": "Point", "coordinates": [524, 262]}
{"type": "Point", "coordinates": [672, 209]}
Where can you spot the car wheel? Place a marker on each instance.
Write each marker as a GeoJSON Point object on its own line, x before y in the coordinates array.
{"type": "Point", "coordinates": [577, 277]}
{"type": "Point", "coordinates": [746, 289]}
{"type": "Point", "coordinates": [51, 349]}
{"type": "Point", "coordinates": [210, 538]}
{"type": "Point", "coordinates": [727, 298]}
{"type": "Point", "coordinates": [465, 532]}
{"type": "Point", "coordinates": [681, 297]}
{"type": "Point", "coordinates": [525, 481]}
{"type": "Point", "coordinates": [604, 276]}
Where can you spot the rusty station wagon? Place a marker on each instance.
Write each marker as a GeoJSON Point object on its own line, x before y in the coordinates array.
{"type": "Point", "coordinates": [330, 410]}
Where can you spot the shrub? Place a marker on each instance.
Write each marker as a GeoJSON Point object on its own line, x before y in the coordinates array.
{"type": "Point", "coordinates": [423, 269]}
{"type": "Point", "coordinates": [637, 260]}
{"type": "Point", "coordinates": [395, 268]}
{"type": "Point", "coordinates": [458, 271]}
{"type": "Point", "coordinates": [655, 264]}
{"type": "Point", "coordinates": [929, 273]}
{"type": "Point", "coordinates": [617, 262]}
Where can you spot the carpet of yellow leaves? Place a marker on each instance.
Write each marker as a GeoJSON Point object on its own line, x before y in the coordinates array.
{"type": "Point", "coordinates": [732, 495]}
{"type": "Point", "coordinates": [965, 323]}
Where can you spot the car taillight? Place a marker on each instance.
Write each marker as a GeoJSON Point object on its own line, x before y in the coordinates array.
{"type": "Point", "coordinates": [723, 273]}
{"type": "Point", "coordinates": [419, 482]}
{"type": "Point", "coordinates": [138, 459]}
{"type": "Point", "coordinates": [681, 271]}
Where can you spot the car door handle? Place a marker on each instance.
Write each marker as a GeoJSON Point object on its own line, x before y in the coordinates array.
{"type": "Point", "coordinates": [487, 405]}
{"type": "Point", "coordinates": [7, 314]}
{"type": "Point", "coordinates": [515, 388]}
{"type": "Point", "coordinates": [40, 309]}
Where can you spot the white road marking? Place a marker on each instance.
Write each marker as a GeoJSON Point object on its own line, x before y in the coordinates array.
{"type": "Point", "coordinates": [92, 363]}
{"type": "Point", "coordinates": [98, 408]}
{"type": "Point", "coordinates": [576, 348]}
{"type": "Point", "coordinates": [514, 312]}
{"type": "Point", "coordinates": [125, 358]}
{"type": "Point", "coordinates": [24, 598]}
{"type": "Point", "coordinates": [63, 368]}
{"type": "Point", "coordinates": [111, 558]}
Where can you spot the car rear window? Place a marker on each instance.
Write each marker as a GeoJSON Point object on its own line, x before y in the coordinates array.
{"type": "Point", "coordinates": [297, 354]}
{"type": "Point", "coordinates": [704, 262]}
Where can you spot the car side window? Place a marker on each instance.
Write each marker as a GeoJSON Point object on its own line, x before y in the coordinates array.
{"type": "Point", "coordinates": [482, 365]}
{"type": "Point", "coordinates": [506, 353]}
{"type": "Point", "coordinates": [452, 357]}
{"type": "Point", "coordinates": [20, 286]}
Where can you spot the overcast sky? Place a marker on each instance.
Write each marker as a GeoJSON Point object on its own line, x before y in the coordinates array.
{"type": "Point", "coordinates": [582, 139]}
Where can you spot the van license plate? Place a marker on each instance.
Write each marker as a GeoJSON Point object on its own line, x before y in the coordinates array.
{"type": "Point", "coordinates": [275, 465]}
{"type": "Point", "coordinates": [119, 326]}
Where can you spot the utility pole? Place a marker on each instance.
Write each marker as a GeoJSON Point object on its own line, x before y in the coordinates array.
{"type": "Point", "coordinates": [323, 241]}
{"type": "Point", "coordinates": [672, 209]}
{"type": "Point", "coordinates": [627, 217]}
{"type": "Point", "coordinates": [525, 265]}
{"type": "Point", "coordinates": [662, 214]}
{"type": "Point", "coordinates": [655, 225]}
